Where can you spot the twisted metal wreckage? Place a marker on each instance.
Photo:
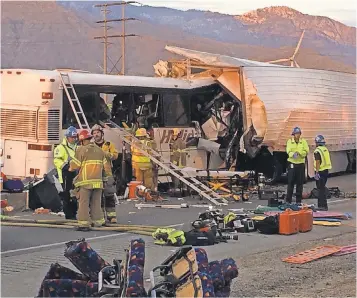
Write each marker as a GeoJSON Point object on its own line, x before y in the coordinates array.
{"type": "Point", "coordinates": [259, 104]}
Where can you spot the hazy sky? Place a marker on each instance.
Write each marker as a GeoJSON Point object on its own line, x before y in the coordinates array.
{"type": "Point", "coordinates": [340, 10]}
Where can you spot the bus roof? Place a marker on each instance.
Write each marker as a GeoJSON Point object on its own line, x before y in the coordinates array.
{"type": "Point", "coordinates": [92, 79]}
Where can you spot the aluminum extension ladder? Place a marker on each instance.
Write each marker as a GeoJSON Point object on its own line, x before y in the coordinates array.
{"type": "Point", "coordinates": [202, 189]}
{"type": "Point", "coordinates": [74, 101]}
{"type": "Point", "coordinates": [192, 182]}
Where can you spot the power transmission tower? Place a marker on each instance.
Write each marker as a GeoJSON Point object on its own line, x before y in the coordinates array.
{"type": "Point", "coordinates": [123, 35]}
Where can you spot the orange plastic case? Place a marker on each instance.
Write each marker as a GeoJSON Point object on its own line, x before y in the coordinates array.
{"type": "Point", "coordinates": [306, 220]}
{"type": "Point", "coordinates": [289, 222]}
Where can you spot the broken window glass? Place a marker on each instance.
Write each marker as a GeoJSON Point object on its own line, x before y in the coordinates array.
{"type": "Point", "coordinates": [177, 110]}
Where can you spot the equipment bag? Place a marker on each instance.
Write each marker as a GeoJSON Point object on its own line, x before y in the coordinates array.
{"type": "Point", "coordinates": [45, 195]}
{"type": "Point", "coordinates": [198, 238]}
{"type": "Point", "coordinates": [315, 193]}
{"type": "Point", "coordinates": [85, 259]}
{"type": "Point", "coordinates": [13, 185]}
{"type": "Point", "coordinates": [269, 225]}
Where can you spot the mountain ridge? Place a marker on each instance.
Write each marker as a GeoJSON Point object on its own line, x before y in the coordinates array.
{"type": "Point", "coordinates": [60, 35]}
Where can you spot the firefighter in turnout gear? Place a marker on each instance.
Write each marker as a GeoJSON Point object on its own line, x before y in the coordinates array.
{"type": "Point", "coordinates": [94, 170]}
{"type": "Point", "coordinates": [63, 154]}
{"type": "Point", "coordinates": [177, 153]}
{"type": "Point", "coordinates": [111, 154]}
{"type": "Point", "coordinates": [297, 150]}
{"type": "Point", "coordinates": [142, 166]}
{"type": "Point", "coordinates": [322, 164]}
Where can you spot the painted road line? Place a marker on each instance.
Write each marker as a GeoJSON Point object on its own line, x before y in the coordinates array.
{"type": "Point", "coordinates": [64, 242]}
{"type": "Point", "coordinates": [337, 201]}
{"type": "Point", "coordinates": [57, 244]}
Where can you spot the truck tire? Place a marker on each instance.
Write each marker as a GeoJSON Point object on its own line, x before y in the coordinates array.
{"type": "Point", "coordinates": [278, 171]}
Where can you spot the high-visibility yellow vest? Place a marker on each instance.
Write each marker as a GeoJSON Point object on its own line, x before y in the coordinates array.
{"type": "Point", "coordinates": [301, 147]}
{"type": "Point", "coordinates": [137, 156]}
{"type": "Point", "coordinates": [325, 158]}
{"type": "Point", "coordinates": [62, 155]}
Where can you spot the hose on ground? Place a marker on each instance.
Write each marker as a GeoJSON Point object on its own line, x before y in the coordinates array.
{"type": "Point", "coordinates": [134, 230]}
{"type": "Point", "coordinates": [70, 222]}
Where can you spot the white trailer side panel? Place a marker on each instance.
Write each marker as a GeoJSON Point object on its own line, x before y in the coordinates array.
{"type": "Point", "coordinates": [319, 102]}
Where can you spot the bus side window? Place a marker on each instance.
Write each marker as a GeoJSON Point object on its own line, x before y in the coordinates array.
{"type": "Point", "coordinates": [176, 110]}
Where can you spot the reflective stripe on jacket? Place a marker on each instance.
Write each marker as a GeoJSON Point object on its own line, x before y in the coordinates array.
{"type": "Point", "coordinates": [110, 151]}
{"type": "Point", "coordinates": [62, 155]}
{"type": "Point", "coordinates": [325, 158]}
{"type": "Point", "coordinates": [178, 153]}
{"type": "Point", "coordinates": [137, 156]}
{"type": "Point", "coordinates": [93, 167]}
{"type": "Point", "coordinates": [301, 147]}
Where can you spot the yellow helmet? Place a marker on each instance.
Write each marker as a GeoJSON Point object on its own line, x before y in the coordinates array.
{"type": "Point", "coordinates": [176, 131]}
{"type": "Point", "coordinates": [141, 132]}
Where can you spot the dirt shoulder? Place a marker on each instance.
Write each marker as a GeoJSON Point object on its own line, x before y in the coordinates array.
{"type": "Point", "coordinates": [264, 274]}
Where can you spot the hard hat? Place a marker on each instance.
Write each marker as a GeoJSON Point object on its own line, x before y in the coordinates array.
{"type": "Point", "coordinates": [97, 127]}
{"type": "Point", "coordinates": [176, 131]}
{"type": "Point", "coordinates": [71, 132]}
{"type": "Point", "coordinates": [141, 132]}
{"type": "Point", "coordinates": [320, 140]}
{"type": "Point", "coordinates": [296, 130]}
{"type": "Point", "coordinates": [84, 135]}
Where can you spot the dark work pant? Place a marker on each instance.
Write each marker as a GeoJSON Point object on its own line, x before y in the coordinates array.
{"type": "Point", "coordinates": [321, 186]}
{"type": "Point", "coordinates": [69, 204]}
{"type": "Point", "coordinates": [295, 177]}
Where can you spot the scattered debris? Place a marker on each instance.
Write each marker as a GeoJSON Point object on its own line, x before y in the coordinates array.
{"type": "Point", "coordinates": [312, 254]}
{"type": "Point", "coordinates": [345, 250]}
{"type": "Point", "coordinates": [183, 205]}
{"type": "Point", "coordinates": [326, 223]}
{"type": "Point", "coordinates": [42, 211]}
{"type": "Point", "coordinates": [3, 203]}
{"type": "Point", "coordinates": [58, 213]}
{"type": "Point", "coordinates": [330, 214]}
{"type": "Point", "coordinates": [7, 210]}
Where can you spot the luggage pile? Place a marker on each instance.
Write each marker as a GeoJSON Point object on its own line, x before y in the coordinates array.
{"type": "Point", "coordinates": [186, 273]}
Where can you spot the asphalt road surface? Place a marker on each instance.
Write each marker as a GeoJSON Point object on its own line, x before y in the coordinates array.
{"type": "Point", "coordinates": [28, 252]}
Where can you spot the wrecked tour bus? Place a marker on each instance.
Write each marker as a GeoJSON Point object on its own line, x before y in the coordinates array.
{"type": "Point", "coordinates": [247, 112]}
{"type": "Point", "coordinates": [35, 112]}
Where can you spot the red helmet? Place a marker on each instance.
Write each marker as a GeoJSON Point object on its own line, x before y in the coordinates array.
{"type": "Point", "coordinates": [84, 135]}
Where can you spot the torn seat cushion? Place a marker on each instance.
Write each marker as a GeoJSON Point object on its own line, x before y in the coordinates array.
{"type": "Point", "coordinates": [229, 269]}
{"type": "Point", "coordinates": [202, 259]}
{"type": "Point", "coordinates": [135, 271]}
{"type": "Point", "coordinates": [207, 284]}
{"type": "Point", "coordinates": [57, 271]}
{"type": "Point", "coordinates": [215, 271]}
{"type": "Point", "coordinates": [69, 288]}
{"type": "Point", "coordinates": [85, 259]}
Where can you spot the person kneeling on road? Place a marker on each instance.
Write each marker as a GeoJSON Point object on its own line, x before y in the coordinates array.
{"type": "Point", "coordinates": [93, 169]}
